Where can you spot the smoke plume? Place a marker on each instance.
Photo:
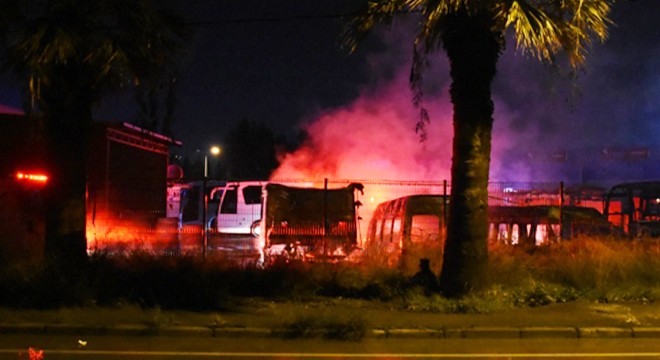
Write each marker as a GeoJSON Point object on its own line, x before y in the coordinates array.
{"type": "Point", "coordinates": [549, 124]}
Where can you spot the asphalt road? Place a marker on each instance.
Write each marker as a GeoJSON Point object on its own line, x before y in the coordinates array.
{"type": "Point", "coordinates": [118, 347]}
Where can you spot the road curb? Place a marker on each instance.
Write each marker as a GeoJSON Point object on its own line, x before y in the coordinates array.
{"type": "Point", "coordinates": [646, 332]}
{"type": "Point", "coordinates": [537, 332]}
{"type": "Point", "coordinates": [242, 332]}
{"type": "Point", "coordinates": [492, 333]}
{"type": "Point", "coordinates": [23, 328]}
{"type": "Point", "coordinates": [476, 332]}
{"type": "Point", "coordinates": [412, 333]}
{"type": "Point", "coordinates": [604, 332]}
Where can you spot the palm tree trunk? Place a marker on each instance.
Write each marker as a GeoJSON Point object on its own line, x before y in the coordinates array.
{"type": "Point", "coordinates": [68, 117]}
{"type": "Point", "coordinates": [473, 50]}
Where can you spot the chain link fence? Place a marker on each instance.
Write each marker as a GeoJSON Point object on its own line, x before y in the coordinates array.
{"type": "Point", "coordinates": [131, 229]}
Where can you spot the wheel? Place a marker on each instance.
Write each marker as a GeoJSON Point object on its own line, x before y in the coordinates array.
{"type": "Point", "coordinates": [255, 228]}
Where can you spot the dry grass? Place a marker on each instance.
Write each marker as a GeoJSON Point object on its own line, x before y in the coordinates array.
{"type": "Point", "coordinates": [591, 269]}
{"type": "Point", "coordinates": [594, 268]}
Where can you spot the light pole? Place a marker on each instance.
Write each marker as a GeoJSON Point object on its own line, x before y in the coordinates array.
{"type": "Point", "coordinates": [215, 151]}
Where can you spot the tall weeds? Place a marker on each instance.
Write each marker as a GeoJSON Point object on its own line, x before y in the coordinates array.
{"type": "Point", "coordinates": [594, 268]}
{"type": "Point", "coordinates": [587, 268]}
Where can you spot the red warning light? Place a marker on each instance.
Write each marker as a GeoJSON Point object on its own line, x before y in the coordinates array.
{"type": "Point", "coordinates": [31, 178]}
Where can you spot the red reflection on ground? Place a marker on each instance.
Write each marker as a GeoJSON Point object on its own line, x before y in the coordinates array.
{"type": "Point", "coordinates": [117, 234]}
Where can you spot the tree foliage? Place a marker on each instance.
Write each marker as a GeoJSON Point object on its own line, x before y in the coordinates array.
{"type": "Point", "coordinates": [251, 151]}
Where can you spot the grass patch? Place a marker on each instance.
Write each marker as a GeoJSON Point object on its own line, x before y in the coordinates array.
{"type": "Point", "coordinates": [602, 270]}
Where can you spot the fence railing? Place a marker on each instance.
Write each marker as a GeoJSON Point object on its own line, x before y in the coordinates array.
{"type": "Point", "coordinates": [139, 229]}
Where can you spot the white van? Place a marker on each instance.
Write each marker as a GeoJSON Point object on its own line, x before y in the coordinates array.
{"type": "Point", "coordinates": [239, 209]}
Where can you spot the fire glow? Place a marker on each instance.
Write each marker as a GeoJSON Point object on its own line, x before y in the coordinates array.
{"type": "Point", "coordinates": [373, 141]}
{"type": "Point", "coordinates": [106, 231]}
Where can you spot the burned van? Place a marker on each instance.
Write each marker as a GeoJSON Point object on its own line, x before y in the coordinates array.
{"type": "Point", "coordinates": [634, 208]}
{"type": "Point", "coordinates": [309, 224]}
{"type": "Point", "coordinates": [543, 224]}
{"type": "Point", "coordinates": [405, 229]}
{"type": "Point", "coordinates": [409, 228]}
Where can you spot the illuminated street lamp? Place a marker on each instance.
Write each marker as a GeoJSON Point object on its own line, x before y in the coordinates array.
{"type": "Point", "coordinates": [215, 151]}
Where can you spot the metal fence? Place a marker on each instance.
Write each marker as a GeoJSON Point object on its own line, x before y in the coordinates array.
{"type": "Point", "coordinates": [135, 229]}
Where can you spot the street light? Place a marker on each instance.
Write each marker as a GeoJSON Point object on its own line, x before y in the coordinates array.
{"type": "Point", "coordinates": [215, 151]}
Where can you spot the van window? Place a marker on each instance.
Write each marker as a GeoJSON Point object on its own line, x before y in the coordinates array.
{"type": "Point", "coordinates": [189, 204]}
{"type": "Point", "coordinates": [387, 230]}
{"type": "Point", "coordinates": [652, 209]}
{"type": "Point", "coordinates": [216, 195]}
{"type": "Point", "coordinates": [229, 204]}
{"type": "Point", "coordinates": [504, 233]}
{"type": "Point", "coordinates": [424, 228]}
{"type": "Point", "coordinates": [397, 234]}
{"type": "Point", "coordinates": [252, 194]}
{"type": "Point", "coordinates": [378, 226]}
{"type": "Point", "coordinates": [515, 234]}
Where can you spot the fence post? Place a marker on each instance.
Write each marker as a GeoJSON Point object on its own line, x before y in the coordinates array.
{"type": "Point", "coordinates": [561, 210]}
{"type": "Point", "coordinates": [325, 215]}
{"type": "Point", "coordinates": [444, 209]}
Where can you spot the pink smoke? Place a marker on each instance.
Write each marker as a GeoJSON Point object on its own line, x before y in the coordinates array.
{"type": "Point", "coordinates": [373, 138]}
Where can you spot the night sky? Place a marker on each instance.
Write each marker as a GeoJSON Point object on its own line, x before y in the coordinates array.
{"type": "Point", "coordinates": [273, 62]}
{"type": "Point", "coordinates": [280, 63]}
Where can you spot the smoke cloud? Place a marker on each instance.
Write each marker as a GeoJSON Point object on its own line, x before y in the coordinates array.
{"type": "Point", "coordinates": [549, 126]}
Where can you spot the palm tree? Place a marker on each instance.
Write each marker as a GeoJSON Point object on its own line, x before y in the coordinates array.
{"type": "Point", "coordinates": [472, 33]}
{"type": "Point", "coordinates": [70, 54]}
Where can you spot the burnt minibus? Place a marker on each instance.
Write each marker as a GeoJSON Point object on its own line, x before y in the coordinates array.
{"type": "Point", "coordinates": [409, 228]}
{"type": "Point", "coordinates": [406, 229]}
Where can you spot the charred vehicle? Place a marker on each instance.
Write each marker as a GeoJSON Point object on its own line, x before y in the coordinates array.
{"type": "Point", "coordinates": [634, 208]}
{"type": "Point", "coordinates": [413, 226]}
{"type": "Point", "coordinates": [541, 224]}
{"type": "Point", "coordinates": [407, 228]}
{"type": "Point", "coordinates": [308, 224]}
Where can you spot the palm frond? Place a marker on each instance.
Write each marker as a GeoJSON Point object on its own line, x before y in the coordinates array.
{"type": "Point", "coordinates": [417, 69]}
{"type": "Point", "coordinates": [433, 14]}
{"type": "Point", "coordinates": [590, 19]}
{"type": "Point", "coordinates": [366, 19]}
{"type": "Point", "coordinates": [544, 28]}
{"type": "Point", "coordinates": [536, 32]}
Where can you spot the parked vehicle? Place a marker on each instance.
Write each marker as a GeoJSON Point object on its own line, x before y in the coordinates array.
{"type": "Point", "coordinates": [309, 224]}
{"type": "Point", "coordinates": [185, 202]}
{"type": "Point", "coordinates": [232, 212]}
{"type": "Point", "coordinates": [409, 228]}
{"type": "Point", "coordinates": [634, 208]}
{"type": "Point", "coordinates": [542, 224]}
{"type": "Point", "coordinates": [239, 209]}
{"type": "Point", "coordinates": [412, 226]}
